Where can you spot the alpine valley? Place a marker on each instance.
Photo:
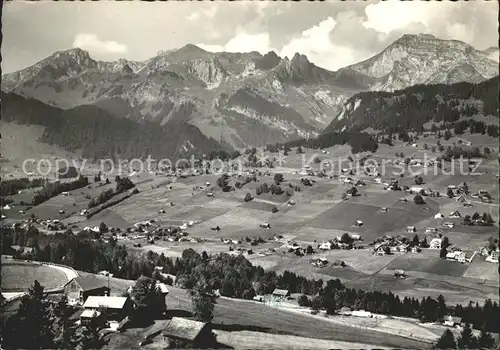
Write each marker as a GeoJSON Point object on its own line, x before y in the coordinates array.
{"type": "Point", "coordinates": [235, 99]}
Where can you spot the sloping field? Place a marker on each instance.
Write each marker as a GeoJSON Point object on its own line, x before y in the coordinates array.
{"type": "Point", "coordinates": [258, 205]}
{"type": "Point", "coordinates": [110, 218]}
{"type": "Point", "coordinates": [311, 234]}
{"type": "Point", "coordinates": [433, 265]}
{"type": "Point", "coordinates": [375, 223]}
{"type": "Point", "coordinates": [361, 260]}
{"type": "Point", "coordinates": [479, 268]}
{"type": "Point", "coordinates": [20, 276]}
{"type": "Point", "coordinates": [260, 340]}
{"type": "Point", "coordinates": [247, 315]}
{"type": "Point", "coordinates": [20, 142]}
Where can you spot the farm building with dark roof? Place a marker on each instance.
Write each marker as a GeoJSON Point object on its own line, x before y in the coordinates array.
{"type": "Point", "coordinates": [80, 288]}
{"type": "Point", "coordinates": [189, 333]}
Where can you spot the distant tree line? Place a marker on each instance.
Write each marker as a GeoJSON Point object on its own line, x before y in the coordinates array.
{"type": "Point", "coordinates": [475, 127]}
{"type": "Point", "coordinates": [359, 142]}
{"type": "Point", "coordinates": [12, 186]}
{"type": "Point", "coordinates": [122, 184]}
{"type": "Point", "coordinates": [52, 189]}
{"type": "Point", "coordinates": [409, 109]}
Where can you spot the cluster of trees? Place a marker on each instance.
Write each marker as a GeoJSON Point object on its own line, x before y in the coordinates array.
{"type": "Point", "coordinates": [148, 300]}
{"type": "Point", "coordinates": [100, 134]}
{"type": "Point", "coordinates": [52, 189]}
{"type": "Point", "coordinates": [466, 340]}
{"type": "Point", "coordinates": [223, 183]}
{"type": "Point", "coordinates": [277, 148]}
{"type": "Point", "coordinates": [457, 152]}
{"type": "Point", "coordinates": [42, 324]}
{"type": "Point", "coordinates": [81, 252]}
{"type": "Point", "coordinates": [247, 180]}
{"type": "Point", "coordinates": [274, 189]}
{"type": "Point", "coordinates": [475, 127]}
{"type": "Point", "coordinates": [122, 184]}
{"type": "Point", "coordinates": [418, 199]}
{"type": "Point", "coordinates": [486, 217]}
{"type": "Point", "coordinates": [409, 109]}
{"type": "Point", "coordinates": [223, 155]}
{"type": "Point", "coordinates": [67, 172]}
{"type": "Point", "coordinates": [103, 197]}
{"type": "Point", "coordinates": [12, 186]}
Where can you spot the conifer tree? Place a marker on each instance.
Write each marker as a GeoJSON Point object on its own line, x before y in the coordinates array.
{"type": "Point", "coordinates": [446, 341]}
{"type": "Point", "coordinates": [467, 340]}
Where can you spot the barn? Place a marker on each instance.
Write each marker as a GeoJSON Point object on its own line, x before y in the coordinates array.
{"type": "Point", "coordinates": [80, 288]}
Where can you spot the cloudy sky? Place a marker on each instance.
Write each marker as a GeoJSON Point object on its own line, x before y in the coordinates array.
{"type": "Point", "coordinates": [332, 34]}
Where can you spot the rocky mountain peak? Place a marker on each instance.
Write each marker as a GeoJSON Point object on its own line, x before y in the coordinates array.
{"type": "Point", "coordinates": [300, 62]}
{"type": "Point", "coordinates": [268, 61]}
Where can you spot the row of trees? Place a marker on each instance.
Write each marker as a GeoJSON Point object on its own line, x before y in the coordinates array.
{"type": "Point", "coordinates": [12, 186]}
{"type": "Point", "coordinates": [122, 184]}
{"type": "Point", "coordinates": [359, 142]}
{"type": "Point", "coordinates": [475, 127]}
{"type": "Point", "coordinates": [52, 189]}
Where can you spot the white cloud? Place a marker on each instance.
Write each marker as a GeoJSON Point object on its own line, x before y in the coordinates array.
{"type": "Point", "coordinates": [210, 12]}
{"type": "Point", "coordinates": [313, 41]}
{"type": "Point", "coordinates": [211, 48]}
{"type": "Point", "coordinates": [387, 16]}
{"type": "Point", "coordinates": [92, 43]}
{"type": "Point", "coordinates": [316, 45]}
{"type": "Point", "coordinates": [243, 42]}
{"type": "Point", "coordinates": [194, 16]}
{"type": "Point", "coordinates": [460, 31]}
{"type": "Point", "coordinates": [249, 42]}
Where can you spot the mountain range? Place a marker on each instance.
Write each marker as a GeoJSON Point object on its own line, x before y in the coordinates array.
{"type": "Point", "coordinates": [242, 99]}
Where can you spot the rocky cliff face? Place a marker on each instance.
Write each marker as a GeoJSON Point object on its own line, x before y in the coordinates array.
{"type": "Point", "coordinates": [243, 98]}
{"type": "Point", "coordinates": [424, 59]}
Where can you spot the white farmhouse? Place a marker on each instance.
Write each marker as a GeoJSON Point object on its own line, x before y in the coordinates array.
{"type": "Point", "coordinates": [435, 243]}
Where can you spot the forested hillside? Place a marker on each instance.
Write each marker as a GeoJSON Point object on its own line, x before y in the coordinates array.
{"type": "Point", "coordinates": [409, 109]}
{"type": "Point", "coordinates": [101, 135]}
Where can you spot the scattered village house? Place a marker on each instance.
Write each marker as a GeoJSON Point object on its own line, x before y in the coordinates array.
{"type": "Point", "coordinates": [325, 245]}
{"type": "Point", "coordinates": [435, 243]}
{"type": "Point", "coordinates": [452, 321]}
{"type": "Point", "coordinates": [185, 333]}
{"type": "Point", "coordinates": [455, 215]}
{"type": "Point", "coordinates": [399, 274]}
{"type": "Point", "coordinates": [280, 294]}
{"type": "Point", "coordinates": [411, 229]}
{"type": "Point", "coordinates": [320, 262]}
{"type": "Point", "coordinates": [380, 250]}
{"type": "Point", "coordinates": [116, 308]}
{"type": "Point", "coordinates": [80, 288]}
